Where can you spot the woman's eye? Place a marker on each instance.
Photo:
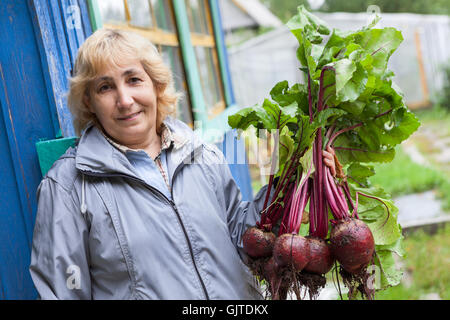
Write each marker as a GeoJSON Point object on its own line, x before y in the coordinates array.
{"type": "Point", "coordinates": [104, 88]}
{"type": "Point", "coordinates": [134, 79]}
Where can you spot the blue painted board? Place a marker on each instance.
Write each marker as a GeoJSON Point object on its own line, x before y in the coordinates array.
{"type": "Point", "coordinates": [14, 246]}
{"type": "Point", "coordinates": [234, 151]}
{"type": "Point", "coordinates": [26, 117]}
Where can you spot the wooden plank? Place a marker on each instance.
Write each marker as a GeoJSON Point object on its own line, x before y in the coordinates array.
{"type": "Point", "coordinates": [53, 42]}
{"type": "Point", "coordinates": [153, 15]}
{"type": "Point", "coordinates": [94, 15]}
{"type": "Point", "coordinates": [193, 78]}
{"type": "Point", "coordinates": [215, 49]}
{"type": "Point", "coordinates": [423, 76]}
{"type": "Point", "coordinates": [26, 108]}
{"type": "Point", "coordinates": [127, 11]}
{"type": "Point", "coordinates": [60, 27]}
{"type": "Point", "coordinates": [156, 36]}
{"type": "Point", "coordinates": [60, 15]}
{"type": "Point", "coordinates": [210, 22]}
{"type": "Point", "coordinates": [9, 131]}
{"type": "Point", "coordinates": [14, 246]}
{"type": "Point", "coordinates": [73, 18]}
{"type": "Point", "coordinates": [26, 116]}
{"type": "Point", "coordinates": [56, 60]}
{"type": "Point", "coordinates": [202, 40]}
{"type": "Point", "coordinates": [217, 109]}
{"type": "Point", "coordinates": [418, 105]}
{"type": "Point", "coordinates": [85, 18]}
{"type": "Point", "coordinates": [222, 53]}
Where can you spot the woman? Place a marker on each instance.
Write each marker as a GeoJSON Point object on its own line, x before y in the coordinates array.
{"type": "Point", "coordinates": [125, 215]}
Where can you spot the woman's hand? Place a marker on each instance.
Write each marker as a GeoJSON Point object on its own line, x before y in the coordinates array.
{"type": "Point", "coordinates": [328, 159]}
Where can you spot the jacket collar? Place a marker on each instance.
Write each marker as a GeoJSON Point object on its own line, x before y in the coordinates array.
{"type": "Point", "coordinates": [95, 155]}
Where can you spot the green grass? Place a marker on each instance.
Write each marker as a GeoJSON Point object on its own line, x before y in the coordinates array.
{"type": "Point", "coordinates": [437, 119]}
{"type": "Point", "coordinates": [403, 176]}
{"type": "Point", "coordinates": [436, 114]}
{"type": "Point", "coordinates": [444, 194]}
{"type": "Point", "coordinates": [427, 260]}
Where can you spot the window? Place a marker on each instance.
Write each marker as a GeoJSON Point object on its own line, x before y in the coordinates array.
{"type": "Point", "coordinates": [153, 19]}
{"type": "Point", "coordinates": [202, 38]}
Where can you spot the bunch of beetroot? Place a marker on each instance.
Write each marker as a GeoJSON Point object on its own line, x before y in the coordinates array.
{"type": "Point", "coordinates": [289, 261]}
{"type": "Point", "coordinates": [328, 130]}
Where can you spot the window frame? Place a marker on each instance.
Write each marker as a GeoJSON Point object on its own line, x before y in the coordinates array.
{"type": "Point", "coordinates": [208, 41]}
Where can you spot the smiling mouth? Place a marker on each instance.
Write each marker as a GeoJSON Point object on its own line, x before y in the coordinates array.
{"type": "Point", "coordinates": [130, 117]}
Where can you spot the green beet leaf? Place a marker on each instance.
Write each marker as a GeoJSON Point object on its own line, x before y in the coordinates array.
{"type": "Point", "coordinates": [350, 101]}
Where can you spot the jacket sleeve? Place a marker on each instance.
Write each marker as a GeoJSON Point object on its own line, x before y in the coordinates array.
{"type": "Point", "coordinates": [59, 258]}
{"type": "Point", "coordinates": [240, 214]}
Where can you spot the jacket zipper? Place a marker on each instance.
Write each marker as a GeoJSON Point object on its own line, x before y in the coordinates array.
{"type": "Point", "coordinates": [191, 251]}
{"type": "Point", "coordinates": [173, 205]}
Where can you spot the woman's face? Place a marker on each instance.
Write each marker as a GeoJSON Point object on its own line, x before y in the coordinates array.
{"type": "Point", "coordinates": [124, 101]}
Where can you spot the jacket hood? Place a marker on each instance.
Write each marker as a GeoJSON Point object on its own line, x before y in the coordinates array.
{"type": "Point", "coordinates": [95, 155]}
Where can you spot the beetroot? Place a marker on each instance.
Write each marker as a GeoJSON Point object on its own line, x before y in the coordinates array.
{"type": "Point", "coordinates": [270, 269]}
{"type": "Point", "coordinates": [352, 244]}
{"type": "Point", "coordinates": [291, 250]}
{"type": "Point", "coordinates": [321, 259]}
{"type": "Point", "coordinates": [258, 243]}
{"type": "Point", "coordinates": [320, 262]}
{"type": "Point", "coordinates": [274, 277]}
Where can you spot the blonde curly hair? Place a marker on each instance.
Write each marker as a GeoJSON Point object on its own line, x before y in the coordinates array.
{"type": "Point", "coordinates": [110, 47]}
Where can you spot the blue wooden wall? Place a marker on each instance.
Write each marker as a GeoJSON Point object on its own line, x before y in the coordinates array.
{"type": "Point", "coordinates": [35, 59]}
{"type": "Point", "coordinates": [40, 39]}
{"type": "Point", "coordinates": [24, 118]}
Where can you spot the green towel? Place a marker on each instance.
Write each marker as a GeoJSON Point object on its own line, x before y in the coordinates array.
{"type": "Point", "coordinates": [50, 150]}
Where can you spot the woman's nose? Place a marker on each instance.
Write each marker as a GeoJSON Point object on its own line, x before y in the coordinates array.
{"type": "Point", "coordinates": [124, 98]}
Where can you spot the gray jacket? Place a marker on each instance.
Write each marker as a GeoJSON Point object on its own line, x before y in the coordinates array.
{"type": "Point", "coordinates": [103, 233]}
